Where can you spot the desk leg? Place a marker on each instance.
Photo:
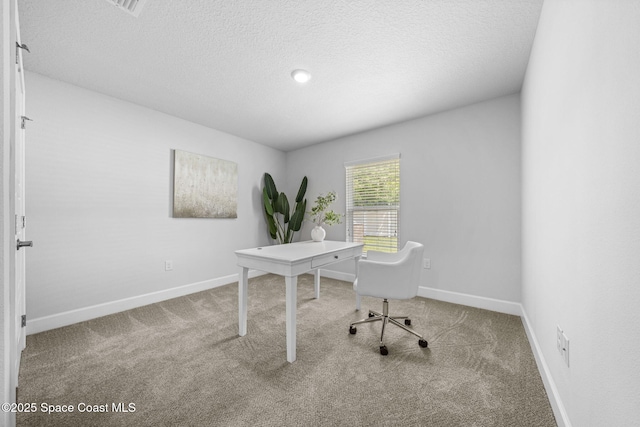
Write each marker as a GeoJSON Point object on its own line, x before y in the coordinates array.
{"type": "Point", "coordinates": [243, 288]}
{"type": "Point", "coordinates": [316, 282]}
{"type": "Point", "coordinates": [291, 301]}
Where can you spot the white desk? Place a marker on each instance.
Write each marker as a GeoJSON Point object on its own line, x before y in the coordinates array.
{"type": "Point", "coordinates": [290, 260]}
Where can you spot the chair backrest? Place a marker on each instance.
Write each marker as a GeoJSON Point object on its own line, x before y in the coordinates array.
{"type": "Point", "coordinates": [395, 276]}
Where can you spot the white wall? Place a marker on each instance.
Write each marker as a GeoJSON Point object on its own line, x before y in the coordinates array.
{"type": "Point", "coordinates": [98, 201]}
{"type": "Point", "coordinates": [460, 191]}
{"type": "Point", "coordinates": [581, 204]}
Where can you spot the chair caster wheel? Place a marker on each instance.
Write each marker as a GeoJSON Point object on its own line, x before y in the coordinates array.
{"type": "Point", "coordinates": [423, 343]}
{"type": "Point", "coordinates": [353, 330]}
{"type": "Point", "coordinates": [407, 322]}
{"type": "Point", "coordinates": [383, 350]}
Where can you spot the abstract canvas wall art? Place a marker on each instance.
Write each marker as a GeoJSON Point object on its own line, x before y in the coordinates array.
{"type": "Point", "coordinates": [204, 187]}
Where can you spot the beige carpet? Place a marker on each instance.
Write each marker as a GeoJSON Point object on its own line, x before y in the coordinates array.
{"type": "Point", "coordinates": [181, 363]}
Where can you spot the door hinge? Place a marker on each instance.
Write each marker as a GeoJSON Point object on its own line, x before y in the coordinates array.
{"type": "Point", "coordinates": [24, 320]}
{"type": "Point", "coordinates": [20, 223]}
{"type": "Point", "coordinates": [24, 119]}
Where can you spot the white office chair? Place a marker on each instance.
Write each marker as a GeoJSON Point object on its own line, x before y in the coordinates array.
{"type": "Point", "coordinates": [389, 276]}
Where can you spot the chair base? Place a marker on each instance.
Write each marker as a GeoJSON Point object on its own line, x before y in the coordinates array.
{"type": "Point", "coordinates": [384, 317]}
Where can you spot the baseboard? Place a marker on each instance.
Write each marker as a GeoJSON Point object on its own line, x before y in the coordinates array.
{"type": "Point", "coordinates": [500, 306]}
{"type": "Point", "coordinates": [67, 318]}
{"type": "Point", "coordinates": [491, 304]}
{"type": "Point", "coordinates": [559, 411]}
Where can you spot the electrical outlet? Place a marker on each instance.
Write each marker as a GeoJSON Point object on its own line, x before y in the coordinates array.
{"type": "Point", "coordinates": [565, 349]}
{"type": "Point", "coordinates": [168, 265]}
{"type": "Point", "coordinates": [426, 263]}
{"type": "Point", "coordinates": [562, 344]}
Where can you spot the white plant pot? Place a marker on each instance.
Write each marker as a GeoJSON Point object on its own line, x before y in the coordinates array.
{"type": "Point", "coordinates": [318, 233]}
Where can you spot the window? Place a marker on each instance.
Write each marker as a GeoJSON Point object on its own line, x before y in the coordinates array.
{"type": "Point", "coordinates": [373, 202]}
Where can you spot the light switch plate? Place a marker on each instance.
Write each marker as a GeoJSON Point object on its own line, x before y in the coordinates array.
{"type": "Point", "coordinates": [559, 339]}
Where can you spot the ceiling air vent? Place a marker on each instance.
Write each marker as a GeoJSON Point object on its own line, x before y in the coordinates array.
{"type": "Point", "coordinates": [132, 7]}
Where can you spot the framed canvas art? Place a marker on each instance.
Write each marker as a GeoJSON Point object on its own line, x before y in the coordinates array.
{"type": "Point", "coordinates": [204, 187]}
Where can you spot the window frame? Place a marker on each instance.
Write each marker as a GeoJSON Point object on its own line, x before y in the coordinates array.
{"type": "Point", "coordinates": [392, 162]}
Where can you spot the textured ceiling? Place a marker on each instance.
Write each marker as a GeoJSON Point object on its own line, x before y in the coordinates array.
{"type": "Point", "coordinates": [227, 64]}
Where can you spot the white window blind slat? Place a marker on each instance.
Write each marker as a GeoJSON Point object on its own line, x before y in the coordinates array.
{"type": "Point", "coordinates": [373, 203]}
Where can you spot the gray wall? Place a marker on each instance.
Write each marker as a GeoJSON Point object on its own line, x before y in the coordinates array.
{"type": "Point", "coordinates": [460, 191]}
{"type": "Point", "coordinates": [581, 204]}
{"type": "Point", "coordinates": [98, 200]}
{"type": "Point", "coordinates": [98, 203]}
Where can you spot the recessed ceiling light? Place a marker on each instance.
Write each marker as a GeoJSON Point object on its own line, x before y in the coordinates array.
{"type": "Point", "coordinates": [301, 76]}
{"type": "Point", "coordinates": [132, 7]}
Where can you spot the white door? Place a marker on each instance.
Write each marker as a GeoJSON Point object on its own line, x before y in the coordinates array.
{"type": "Point", "coordinates": [20, 217]}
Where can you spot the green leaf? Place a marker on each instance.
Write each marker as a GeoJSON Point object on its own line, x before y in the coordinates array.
{"type": "Point", "coordinates": [270, 186]}
{"type": "Point", "coordinates": [282, 206]}
{"type": "Point", "coordinates": [277, 204]}
{"type": "Point", "coordinates": [302, 190]}
{"type": "Point", "coordinates": [273, 231]}
{"type": "Point", "coordinates": [298, 216]}
{"type": "Point", "coordinates": [267, 203]}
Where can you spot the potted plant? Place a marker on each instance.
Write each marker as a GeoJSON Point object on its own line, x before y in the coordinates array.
{"type": "Point", "coordinates": [283, 221]}
{"type": "Point", "coordinates": [321, 215]}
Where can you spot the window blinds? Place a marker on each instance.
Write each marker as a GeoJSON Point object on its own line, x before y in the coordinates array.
{"type": "Point", "coordinates": [373, 202]}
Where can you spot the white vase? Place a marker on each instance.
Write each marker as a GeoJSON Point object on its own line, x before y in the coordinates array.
{"type": "Point", "coordinates": [318, 233]}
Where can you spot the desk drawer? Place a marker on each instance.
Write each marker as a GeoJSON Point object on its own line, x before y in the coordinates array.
{"type": "Point", "coordinates": [321, 260]}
